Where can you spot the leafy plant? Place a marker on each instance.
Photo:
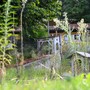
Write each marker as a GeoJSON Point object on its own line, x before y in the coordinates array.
{"type": "Point", "coordinates": [26, 82]}
{"type": "Point", "coordinates": [64, 25]}
{"type": "Point", "coordinates": [6, 28]}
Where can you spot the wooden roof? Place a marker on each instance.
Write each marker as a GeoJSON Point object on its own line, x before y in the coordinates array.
{"type": "Point", "coordinates": [53, 29]}
{"type": "Point", "coordinates": [84, 54]}
{"type": "Point", "coordinates": [75, 26]}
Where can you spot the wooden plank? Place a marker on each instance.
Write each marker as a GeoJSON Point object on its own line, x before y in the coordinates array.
{"type": "Point", "coordinates": [84, 54]}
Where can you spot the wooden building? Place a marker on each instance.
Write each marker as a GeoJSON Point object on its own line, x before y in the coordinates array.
{"type": "Point", "coordinates": [80, 63]}
{"type": "Point", "coordinates": [58, 36]}
{"type": "Point", "coordinates": [54, 30]}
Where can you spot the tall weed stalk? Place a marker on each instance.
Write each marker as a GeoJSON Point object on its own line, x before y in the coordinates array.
{"type": "Point", "coordinates": [82, 31]}
{"type": "Point", "coordinates": [6, 27]}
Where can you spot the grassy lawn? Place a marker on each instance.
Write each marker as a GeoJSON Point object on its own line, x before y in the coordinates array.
{"type": "Point", "coordinates": [34, 80]}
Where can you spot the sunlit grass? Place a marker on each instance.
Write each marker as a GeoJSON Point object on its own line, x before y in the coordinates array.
{"type": "Point", "coordinates": [31, 80]}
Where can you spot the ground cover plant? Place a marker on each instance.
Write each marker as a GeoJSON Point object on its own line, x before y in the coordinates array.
{"type": "Point", "coordinates": [37, 82]}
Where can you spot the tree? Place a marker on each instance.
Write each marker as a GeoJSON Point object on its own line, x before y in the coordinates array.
{"type": "Point", "coordinates": [77, 9]}
{"type": "Point", "coordinates": [36, 13]}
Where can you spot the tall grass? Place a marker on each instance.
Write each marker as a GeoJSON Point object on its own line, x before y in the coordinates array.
{"type": "Point", "coordinates": [77, 83]}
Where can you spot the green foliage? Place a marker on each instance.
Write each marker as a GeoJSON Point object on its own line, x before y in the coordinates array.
{"type": "Point", "coordinates": [37, 31]}
{"type": "Point", "coordinates": [77, 9]}
{"type": "Point", "coordinates": [26, 83]}
{"type": "Point", "coordinates": [29, 52]}
{"type": "Point", "coordinates": [35, 13]}
{"type": "Point", "coordinates": [6, 26]}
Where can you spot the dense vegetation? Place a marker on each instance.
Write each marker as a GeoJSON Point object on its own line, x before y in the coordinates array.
{"type": "Point", "coordinates": [77, 9]}
{"type": "Point", "coordinates": [32, 17]}
{"type": "Point", "coordinates": [37, 13]}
